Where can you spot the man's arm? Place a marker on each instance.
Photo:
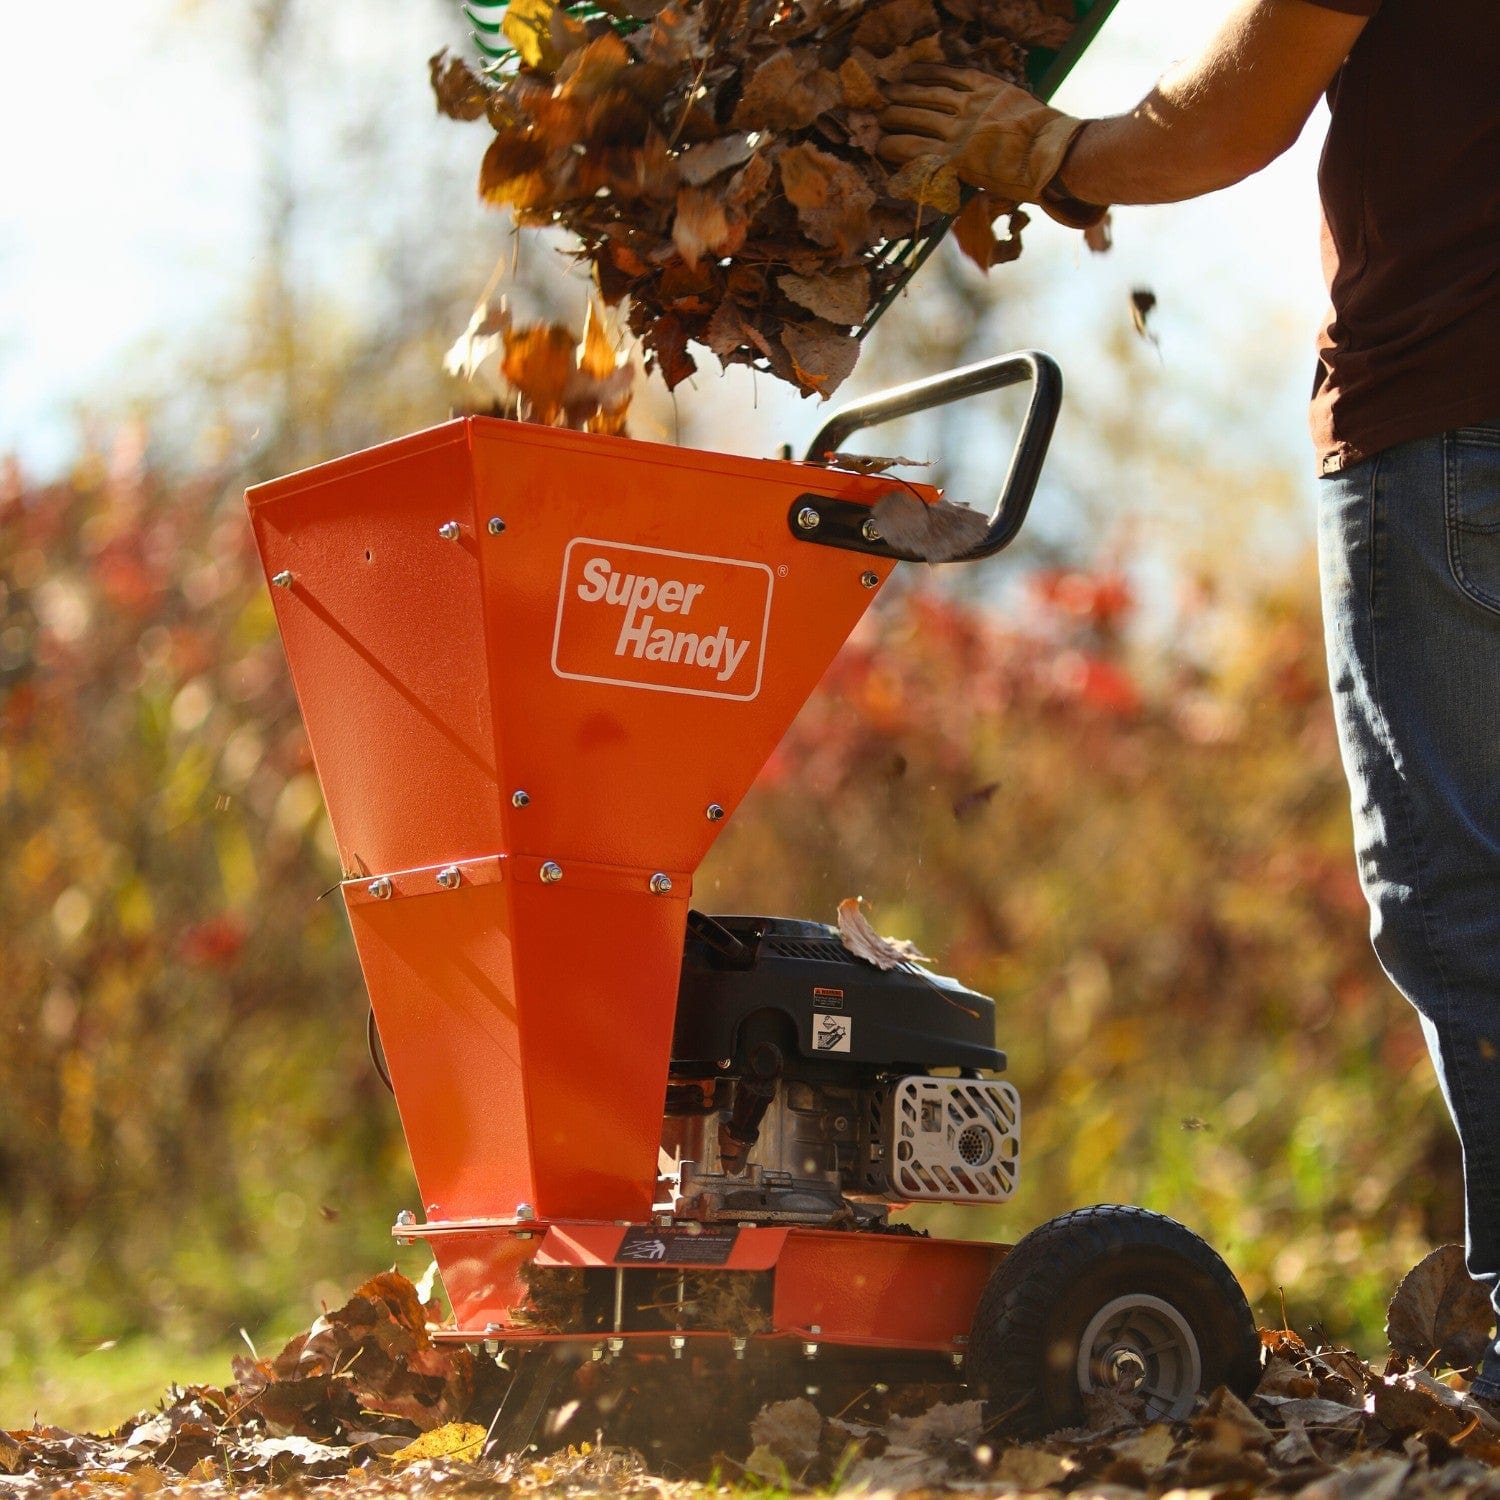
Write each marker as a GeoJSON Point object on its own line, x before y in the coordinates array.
{"type": "Point", "coordinates": [1208, 123]}
{"type": "Point", "coordinates": [1224, 115]}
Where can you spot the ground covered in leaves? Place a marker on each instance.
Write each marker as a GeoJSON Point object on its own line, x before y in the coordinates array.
{"type": "Point", "coordinates": [365, 1402]}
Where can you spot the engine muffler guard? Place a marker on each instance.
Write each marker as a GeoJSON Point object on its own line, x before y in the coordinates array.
{"type": "Point", "coordinates": [538, 669]}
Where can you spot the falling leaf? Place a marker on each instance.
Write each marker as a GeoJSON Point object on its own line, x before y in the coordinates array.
{"type": "Point", "coordinates": [458, 92]}
{"type": "Point", "coordinates": [937, 533]}
{"type": "Point", "coordinates": [974, 230]}
{"type": "Point", "coordinates": [1142, 304]}
{"type": "Point", "coordinates": [966, 806]}
{"type": "Point", "coordinates": [1439, 1311]}
{"type": "Point", "coordinates": [864, 942]}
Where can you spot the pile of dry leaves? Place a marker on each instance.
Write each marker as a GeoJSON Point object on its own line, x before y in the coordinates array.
{"type": "Point", "coordinates": [716, 160]}
{"type": "Point", "coordinates": [364, 1403]}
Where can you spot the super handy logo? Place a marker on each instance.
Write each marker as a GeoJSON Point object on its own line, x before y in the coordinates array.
{"type": "Point", "coordinates": [676, 622]}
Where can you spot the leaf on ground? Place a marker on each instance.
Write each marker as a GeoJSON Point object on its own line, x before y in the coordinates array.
{"type": "Point", "coordinates": [458, 1440]}
{"type": "Point", "coordinates": [864, 942]}
{"type": "Point", "coordinates": [792, 1430]}
{"type": "Point", "coordinates": [937, 533]}
{"type": "Point", "coordinates": [1439, 1311]}
{"type": "Point", "coordinates": [1029, 1468]}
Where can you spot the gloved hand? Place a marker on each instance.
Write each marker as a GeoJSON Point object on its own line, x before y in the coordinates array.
{"type": "Point", "coordinates": [997, 136]}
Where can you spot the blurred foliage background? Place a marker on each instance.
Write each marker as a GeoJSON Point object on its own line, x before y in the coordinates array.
{"type": "Point", "coordinates": [1104, 790]}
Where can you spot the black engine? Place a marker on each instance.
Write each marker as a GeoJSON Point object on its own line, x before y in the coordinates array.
{"type": "Point", "coordinates": [803, 1083]}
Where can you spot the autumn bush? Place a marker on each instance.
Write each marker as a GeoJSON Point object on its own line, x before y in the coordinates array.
{"type": "Point", "coordinates": [1133, 833]}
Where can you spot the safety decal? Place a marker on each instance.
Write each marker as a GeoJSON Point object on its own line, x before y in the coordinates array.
{"type": "Point", "coordinates": [645, 1246]}
{"type": "Point", "coordinates": [831, 1033]}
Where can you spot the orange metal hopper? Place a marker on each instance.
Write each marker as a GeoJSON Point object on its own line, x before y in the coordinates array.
{"type": "Point", "coordinates": [538, 669]}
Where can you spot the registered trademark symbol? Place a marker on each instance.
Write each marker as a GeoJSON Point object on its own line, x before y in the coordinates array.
{"type": "Point", "coordinates": [782, 570]}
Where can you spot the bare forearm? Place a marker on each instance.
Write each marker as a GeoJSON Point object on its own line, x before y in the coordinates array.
{"type": "Point", "coordinates": [1219, 118]}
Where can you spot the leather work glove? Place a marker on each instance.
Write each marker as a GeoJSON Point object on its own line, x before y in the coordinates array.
{"type": "Point", "coordinates": [996, 136]}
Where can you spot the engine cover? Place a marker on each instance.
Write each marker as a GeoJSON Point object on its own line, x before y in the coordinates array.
{"type": "Point", "coordinates": [838, 1007]}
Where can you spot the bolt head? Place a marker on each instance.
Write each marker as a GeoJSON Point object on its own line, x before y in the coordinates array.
{"type": "Point", "coordinates": [869, 579]}
{"type": "Point", "coordinates": [449, 877]}
{"type": "Point", "coordinates": [660, 884]}
{"type": "Point", "coordinates": [551, 872]}
{"type": "Point", "coordinates": [808, 519]}
{"type": "Point", "coordinates": [520, 799]}
{"type": "Point", "coordinates": [496, 526]}
{"type": "Point", "coordinates": [715, 812]}
{"type": "Point", "coordinates": [525, 1212]}
{"type": "Point", "coordinates": [406, 1216]}
{"type": "Point", "coordinates": [449, 531]}
{"type": "Point", "coordinates": [380, 889]}
{"type": "Point", "coordinates": [869, 530]}
{"type": "Point", "coordinates": [283, 579]}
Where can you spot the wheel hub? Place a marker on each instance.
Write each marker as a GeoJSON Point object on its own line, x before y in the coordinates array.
{"type": "Point", "coordinates": [1143, 1346]}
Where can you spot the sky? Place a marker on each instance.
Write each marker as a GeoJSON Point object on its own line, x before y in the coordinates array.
{"type": "Point", "coordinates": [128, 206]}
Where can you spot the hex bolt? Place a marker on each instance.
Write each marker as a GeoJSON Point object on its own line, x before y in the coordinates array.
{"type": "Point", "coordinates": [869, 579]}
{"type": "Point", "coordinates": [525, 1213]}
{"type": "Point", "coordinates": [449, 877]}
{"type": "Point", "coordinates": [738, 1345]}
{"type": "Point", "coordinates": [405, 1217]}
{"type": "Point", "coordinates": [519, 798]}
{"type": "Point", "coordinates": [551, 872]}
{"type": "Point", "coordinates": [808, 519]}
{"type": "Point", "coordinates": [869, 530]}
{"type": "Point", "coordinates": [660, 884]}
{"type": "Point", "coordinates": [380, 889]}
{"type": "Point", "coordinates": [496, 526]}
{"type": "Point", "coordinates": [449, 531]}
{"type": "Point", "coordinates": [283, 579]}
{"type": "Point", "coordinates": [494, 1328]}
{"type": "Point", "coordinates": [678, 1344]}
{"type": "Point", "coordinates": [715, 812]}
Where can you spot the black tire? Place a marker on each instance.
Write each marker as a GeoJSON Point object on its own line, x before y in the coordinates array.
{"type": "Point", "coordinates": [1164, 1316]}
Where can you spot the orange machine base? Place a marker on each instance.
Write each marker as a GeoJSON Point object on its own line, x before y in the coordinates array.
{"type": "Point", "coordinates": [850, 1289]}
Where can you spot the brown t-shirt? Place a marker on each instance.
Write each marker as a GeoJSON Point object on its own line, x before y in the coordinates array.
{"type": "Point", "coordinates": [1410, 180]}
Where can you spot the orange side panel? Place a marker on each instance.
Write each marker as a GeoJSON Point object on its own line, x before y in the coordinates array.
{"type": "Point", "coordinates": [440, 971]}
{"type": "Point", "coordinates": [889, 1291]}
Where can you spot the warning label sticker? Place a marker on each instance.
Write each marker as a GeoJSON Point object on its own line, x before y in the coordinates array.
{"type": "Point", "coordinates": [642, 1245]}
{"type": "Point", "coordinates": [831, 1033]}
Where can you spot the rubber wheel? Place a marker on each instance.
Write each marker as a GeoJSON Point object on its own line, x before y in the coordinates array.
{"type": "Point", "coordinates": [1108, 1299]}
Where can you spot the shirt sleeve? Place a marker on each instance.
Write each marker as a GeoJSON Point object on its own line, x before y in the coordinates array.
{"type": "Point", "coordinates": [1348, 7]}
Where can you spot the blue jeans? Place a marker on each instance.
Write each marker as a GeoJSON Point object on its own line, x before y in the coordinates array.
{"type": "Point", "coordinates": [1409, 552]}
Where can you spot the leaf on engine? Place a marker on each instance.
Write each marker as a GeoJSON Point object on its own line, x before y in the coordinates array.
{"type": "Point", "coordinates": [864, 942]}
